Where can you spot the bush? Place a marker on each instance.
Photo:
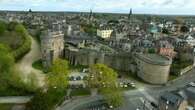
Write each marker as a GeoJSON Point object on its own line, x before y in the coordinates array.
{"type": "Point", "coordinates": [38, 65]}
{"type": "Point", "coordinates": [11, 82]}
{"type": "Point", "coordinates": [2, 27]}
{"type": "Point", "coordinates": [46, 100]}
{"type": "Point", "coordinates": [26, 46]}
{"type": "Point", "coordinates": [80, 92]}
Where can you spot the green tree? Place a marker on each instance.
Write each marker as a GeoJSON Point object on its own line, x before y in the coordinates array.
{"type": "Point", "coordinates": [105, 79]}
{"type": "Point", "coordinates": [58, 77]}
{"type": "Point", "coordinates": [11, 26]}
{"type": "Point", "coordinates": [2, 27]}
{"type": "Point", "coordinates": [151, 50]}
{"type": "Point", "coordinates": [101, 76]}
{"type": "Point", "coordinates": [6, 64]}
{"type": "Point", "coordinates": [6, 60]}
{"type": "Point", "coordinates": [19, 28]}
{"type": "Point", "coordinates": [32, 82]}
{"type": "Point", "coordinates": [45, 100]}
{"type": "Point", "coordinates": [165, 31]}
{"type": "Point", "coordinates": [112, 96]}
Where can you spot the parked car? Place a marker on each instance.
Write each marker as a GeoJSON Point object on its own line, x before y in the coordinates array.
{"type": "Point", "coordinates": [192, 84]}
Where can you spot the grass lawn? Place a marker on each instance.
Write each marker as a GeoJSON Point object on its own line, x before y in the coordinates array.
{"type": "Point", "coordinates": [6, 106]}
{"type": "Point", "coordinates": [80, 92]}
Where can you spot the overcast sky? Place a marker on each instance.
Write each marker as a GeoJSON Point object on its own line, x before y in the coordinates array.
{"type": "Point", "coordinates": [116, 6]}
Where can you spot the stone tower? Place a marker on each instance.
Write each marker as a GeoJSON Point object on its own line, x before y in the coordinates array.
{"type": "Point", "coordinates": [52, 47]}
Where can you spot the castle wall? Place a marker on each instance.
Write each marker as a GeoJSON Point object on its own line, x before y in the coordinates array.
{"type": "Point", "coordinates": [87, 57]}
{"type": "Point", "coordinates": [153, 72]}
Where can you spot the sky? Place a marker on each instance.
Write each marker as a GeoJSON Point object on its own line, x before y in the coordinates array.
{"type": "Point", "coordinates": [178, 7]}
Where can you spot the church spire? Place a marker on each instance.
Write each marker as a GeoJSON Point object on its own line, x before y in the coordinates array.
{"type": "Point", "coordinates": [90, 14]}
{"type": "Point", "coordinates": [130, 13]}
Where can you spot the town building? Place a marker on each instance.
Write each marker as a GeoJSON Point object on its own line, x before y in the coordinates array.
{"type": "Point", "coordinates": [172, 101]}
{"type": "Point", "coordinates": [104, 32]}
{"type": "Point", "coordinates": [190, 40]}
{"type": "Point", "coordinates": [166, 49]}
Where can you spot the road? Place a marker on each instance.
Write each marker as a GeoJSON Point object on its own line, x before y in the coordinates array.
{"type": "Point", "coordinates": [149, 92]}
{"type": "Point", "coordinates": [75, 104]}
{"type": "Point", "coordinates": [25, 64]}
{"type": "Point", "coordinates": [15, 99]}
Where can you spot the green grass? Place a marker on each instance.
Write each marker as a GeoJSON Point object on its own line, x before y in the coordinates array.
{"type": "Point", "coordinates": [6, 106]}
{"type": "Point", "coordinates": [172, 77]}
{"type": "Point", "coordinates": [11, 91]}
{"type": "Point", "coordinates": [80, 92]}
{"type": "Point", "coordinates": [38, 65]}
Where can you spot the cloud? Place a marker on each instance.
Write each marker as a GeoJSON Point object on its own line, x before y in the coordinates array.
{"type": "Point", "coordinates": [139, 6]}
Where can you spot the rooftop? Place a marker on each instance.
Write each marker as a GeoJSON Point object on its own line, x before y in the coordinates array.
{"type": "Point", "coordinates": [154, 59]}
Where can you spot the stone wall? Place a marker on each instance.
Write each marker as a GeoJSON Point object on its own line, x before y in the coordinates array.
{"type": "Point", "coordinates": [153, 72]}
{"type": "Point", "coordinates": [121, 62]}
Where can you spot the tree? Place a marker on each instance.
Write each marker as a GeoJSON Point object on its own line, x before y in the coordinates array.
{"type": "Point", "coordinates": [101, 75]}
{"type": "Point", "coordinates": [58, 77]}
{"type": "Point", "coordinates": [113, 97]}
{"type": "Point", "coordinates": [6, 64]}
{"type": "Point", "coordinates": [165, 31]}
{"type": "Point", "coordinates": [11, 26]}
{"type": "Point", "coordinates": [6, 61]}
{"type": "Point", "coordinates": [45, 100]}
{"type": "Point", "coordinates": [151, 50]}
{"type": "Point", "coordinates": [184, 29]}
{"type": "Point", "coordinates": [105, 79]}
{"type": "Point", "coordinates": [2, 27]}
{"type": "Point", "coordinates": [32, 82]}
{"type": "Point", "coordinates": [19, 28]}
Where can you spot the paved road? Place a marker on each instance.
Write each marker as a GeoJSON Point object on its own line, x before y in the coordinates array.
{"type": "Point", "coordinates": [74, 104]}
{"type": "Point", "coordinates": [149, 92]}
{"type": "Point", "coordinates": [15, 99]}
{"type": "Point", "coordinates": [25, 64]}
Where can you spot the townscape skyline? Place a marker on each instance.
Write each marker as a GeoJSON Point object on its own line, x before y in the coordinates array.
{"type": "Point", "coordinates": [160, 7]}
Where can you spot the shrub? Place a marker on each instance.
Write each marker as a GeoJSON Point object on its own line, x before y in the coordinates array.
{"type": "Point", "coordinates": [46, 100]}
{"type": "Point", "coordinates": [26, 46]}
{"type": "Point", "coordinates": [2, 27]}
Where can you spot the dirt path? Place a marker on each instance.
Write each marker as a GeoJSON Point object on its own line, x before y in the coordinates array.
{"type": "Point", "coordinates": [25, 64]}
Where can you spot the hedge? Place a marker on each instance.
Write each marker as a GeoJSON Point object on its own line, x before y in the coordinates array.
{"type": "Point", "coordinates": [26, 46]}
